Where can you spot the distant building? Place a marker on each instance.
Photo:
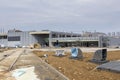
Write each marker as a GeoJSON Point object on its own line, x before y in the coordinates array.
{"type": "Point", "coordinates": [48, 38]}
{"type": "Point", "coordinates": [93, 34]}
{"type": "Point", "coordinates": [3, 39]}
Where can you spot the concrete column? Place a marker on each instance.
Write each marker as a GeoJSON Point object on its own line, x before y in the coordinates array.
{"type": "Point", "coordinates": [50, 40]}
{"type": "Point", "coordinates": [65, 35]}
{"type": "Point", "coordinates": [58, 35]}
{"type": "Point", "coordinates": [100, 42]}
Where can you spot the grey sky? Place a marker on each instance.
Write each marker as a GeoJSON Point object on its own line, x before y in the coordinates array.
{"type": "Point", "coordinates": [61, 15]}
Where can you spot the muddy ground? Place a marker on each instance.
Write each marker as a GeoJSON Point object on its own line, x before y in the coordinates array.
{"type": "Point", "coordinates": [80, 69]}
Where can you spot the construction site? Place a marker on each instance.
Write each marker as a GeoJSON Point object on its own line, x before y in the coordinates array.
{"type": "Point", "coordinates": [51, 55]}
{"type": "Point", "coordinates": [59, 40]}
{"type": "Point", "coordinates": [43, 64]}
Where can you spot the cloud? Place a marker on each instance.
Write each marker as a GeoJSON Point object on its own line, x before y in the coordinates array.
{"type": "Point", "coordinates": [66, 14]}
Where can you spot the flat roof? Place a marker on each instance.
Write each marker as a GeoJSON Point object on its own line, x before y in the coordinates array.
{"type": "Point", "coordinates": [40, 32]}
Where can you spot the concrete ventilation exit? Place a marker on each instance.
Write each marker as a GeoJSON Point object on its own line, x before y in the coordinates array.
{"type": "Point", "coordinates": [100, 56]}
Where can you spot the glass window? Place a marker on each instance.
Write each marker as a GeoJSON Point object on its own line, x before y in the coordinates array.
{"type": "Point", "coordinates": [14, 38]}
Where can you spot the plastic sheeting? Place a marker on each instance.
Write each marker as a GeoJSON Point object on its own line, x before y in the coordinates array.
{"type": "Point", "coordinates": [25, 74]}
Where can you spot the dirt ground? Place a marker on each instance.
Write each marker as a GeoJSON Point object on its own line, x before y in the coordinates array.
{"type": "Point", "coordinates": [81, 69]}
{"type": "Point", "coordinates": [4, 49]}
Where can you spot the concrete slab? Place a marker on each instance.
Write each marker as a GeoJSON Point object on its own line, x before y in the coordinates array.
{"type": "Point", "coordinates": [43, 70]}
{"type": "Point", "coordinates": [111, 66]}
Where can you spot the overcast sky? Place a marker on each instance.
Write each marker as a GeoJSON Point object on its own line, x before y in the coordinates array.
{"type": "Point", "coordinates": [61, 15]}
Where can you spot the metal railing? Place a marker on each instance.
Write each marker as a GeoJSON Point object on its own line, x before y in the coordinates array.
{"type": "Point", "coordinates": [76, 39]}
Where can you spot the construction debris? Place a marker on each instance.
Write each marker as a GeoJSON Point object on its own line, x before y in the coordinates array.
{"type": "Point", "coordinates": [37, 45]}
{"type": "Point", "coordinates": [60, 53]}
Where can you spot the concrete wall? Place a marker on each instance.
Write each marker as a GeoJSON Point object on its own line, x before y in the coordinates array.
{"type": "Point", "coordinates": [4, 42]}
{"type": "Point", "coordinates": [25, 39]}
{"type": "Point", "coordinates": [114, 42]}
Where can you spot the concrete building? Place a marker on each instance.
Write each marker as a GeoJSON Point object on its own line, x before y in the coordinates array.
{"type": "Point", "coordinates": [114, 42]}
{"type": "Point", "coordinates": [3, 40]}
{"type": "Point", "coordinates": [52, 38]}
{"type": "Point", "coordinates": [19, 38]}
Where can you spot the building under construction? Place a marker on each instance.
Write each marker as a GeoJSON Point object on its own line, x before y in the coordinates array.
{"type": "Point", "coordinates": [48, 38]}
